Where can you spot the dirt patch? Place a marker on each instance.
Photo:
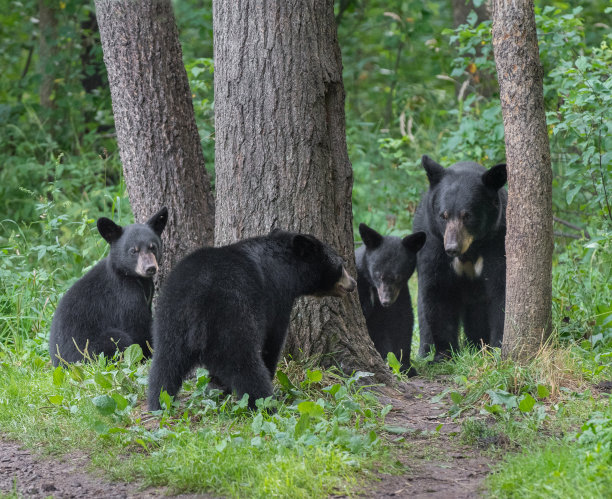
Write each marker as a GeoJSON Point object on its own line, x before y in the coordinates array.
{"type": "Point", "coordinates": [27, 475]}
{"type": "Point", "coordinates": [438, 466]}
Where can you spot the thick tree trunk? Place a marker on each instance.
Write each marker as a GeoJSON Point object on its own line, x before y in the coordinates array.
{"type": "Point", "coordinates": [281, 157]}
{"type": "Point", "coordinates": [156, 129]}
{"type": "Point", "coordinates": [529, 238]}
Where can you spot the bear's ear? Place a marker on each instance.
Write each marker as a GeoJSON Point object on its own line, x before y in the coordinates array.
{"type": "Point", "coordinates": [370, 237]}
{"type": "Point", "coordinates": [435, 171]}
{"type": "Point", "coordinates": [305, 246]}
{"type": "Point", "coordinates": [109, 230]}
{"type": "Point", "coordinates": [158, 221]}
{"type": "Point", "coordinates": [414, 242]}
{"type": "Point", "coordinates": [496, 177]}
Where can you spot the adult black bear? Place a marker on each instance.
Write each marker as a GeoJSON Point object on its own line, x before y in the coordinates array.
{"type": "Point", "coordinates": [228, 309]}
{"type": "Point", "coordinates": [462, 267]}
{"type": "Point", "coordinates": [110, 306]}
{"type": "Point", "coordinates": [384, 265]}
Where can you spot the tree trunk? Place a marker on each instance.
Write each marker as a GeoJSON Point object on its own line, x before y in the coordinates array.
{"type": "Point", "coordinates": [47, 50]}
{"type": "Point", "coordinates": [281, 157]}
{"type": "Point", "coordinates": [156, 129]}
{"type": "Point", "coordinates": [529, 238]}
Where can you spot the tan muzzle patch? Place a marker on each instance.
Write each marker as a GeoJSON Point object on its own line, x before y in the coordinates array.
{"type": "Point", "coordinates": [456, 237]}
{"type": "Point", "coordinates": [146, 265]}
{"type": "Point", "coordinates": [346, 284]}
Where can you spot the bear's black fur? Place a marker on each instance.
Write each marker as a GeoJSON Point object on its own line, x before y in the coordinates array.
{"type": "Point", "coordinates": [228, 309]}
{"type": "Point", "coordinates": [462, 267]}
{"type": "Point", "coordinates": [384, 265]}
{"type": "Point", "coordinates": [110, 306]}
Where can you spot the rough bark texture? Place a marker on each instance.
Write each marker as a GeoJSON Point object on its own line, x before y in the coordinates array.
{"type": "Point", "coordinates": [529, 238]}
{"type": "Point", "coordinates": [156, 130]}
{"type": "Point", "coordinates": [281, 157]}
{"type": "Point", "coordinates": [47, 49]}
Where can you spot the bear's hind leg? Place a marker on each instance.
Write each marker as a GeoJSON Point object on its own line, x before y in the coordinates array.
{"type": "Point", "coordinates": [168, 369]}
{"type": "Point", "coordinates": [244, 373]}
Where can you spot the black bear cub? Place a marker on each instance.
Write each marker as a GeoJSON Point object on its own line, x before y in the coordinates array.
{"type": "Point", "coordinates": [384, 265]}
{"type": "Point", "coordinates": [462, 268]}
{"type": "Point", "coordinates": [110, 306]}
{"type": "Point", "coordinates": [228, 309]}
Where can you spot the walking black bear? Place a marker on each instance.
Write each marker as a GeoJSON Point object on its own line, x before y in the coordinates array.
{"type": "Point", "coordinates": [384, 265]}
{"type": "Point", "coordinates": [110, 306]}
{"type": "Point", "coordinates": [462, 267]}
{"type": "Point", "coordinates": [228, 309]}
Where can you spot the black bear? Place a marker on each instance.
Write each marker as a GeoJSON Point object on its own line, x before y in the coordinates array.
{"type": "Point", "coordinates": [228, 309]}
{"type": "Point", "coordinates": [110, 306]}
{"type": "Point", "coordinates": [462, 267]}
{"type": "Point", "coordinates": [384, 265]}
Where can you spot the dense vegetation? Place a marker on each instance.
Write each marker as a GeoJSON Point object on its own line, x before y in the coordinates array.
{"type": "Point", "coordinates": [414, 85]}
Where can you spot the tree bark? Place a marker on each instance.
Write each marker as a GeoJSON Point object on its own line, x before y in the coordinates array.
{"type": "Point", "coordinates": [156, 130]}
{"type": "Point", "coordinates": [281, 156]}
{"type": "Point", "coordinates": [529, 237]}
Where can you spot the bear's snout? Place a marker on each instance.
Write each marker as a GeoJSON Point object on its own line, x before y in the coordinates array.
{"type": "Point", "coordinates": [457, 239]}
{"type": "Point", "coordinates": [387, 294]}
{"type": "Point", "coordinates": [147, 265]}
{"type": "Point", "coordinates": [346, 284]}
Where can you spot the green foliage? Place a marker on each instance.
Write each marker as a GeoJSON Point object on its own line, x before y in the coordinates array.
{"type": "Point", "coordinates": [577, 466]}
{"type": "Point", "coordinates": [314, 439]}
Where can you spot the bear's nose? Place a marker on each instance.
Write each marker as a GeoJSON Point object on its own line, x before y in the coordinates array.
{"type": "Point", "coordinates": [150, 270]}
{"type": "Point", "coordinates": [452, 249]}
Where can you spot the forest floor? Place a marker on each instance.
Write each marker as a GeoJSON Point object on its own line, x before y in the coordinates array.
{"type": "Point", "coordinates": [437, 464]}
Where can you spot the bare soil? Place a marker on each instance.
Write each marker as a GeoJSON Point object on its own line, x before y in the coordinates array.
{"type": "Point", "coordinates": [438, 466]}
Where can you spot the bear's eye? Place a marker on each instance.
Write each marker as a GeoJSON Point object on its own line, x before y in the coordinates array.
{"type": "Point", "coordinates": [153, 247]}
{"type": "Point", "coordinates": [133, 251]}
{"type": "Point", "coordinates": [444, 215]}
{"type": "Point", "coordinates": [465, 215]}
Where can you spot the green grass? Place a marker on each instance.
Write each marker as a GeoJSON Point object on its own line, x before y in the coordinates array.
{"type": "Point", "coordinates": [322, 438]}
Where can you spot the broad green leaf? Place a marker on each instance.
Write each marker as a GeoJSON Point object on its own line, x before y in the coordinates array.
{"type": "Point", "coordinates": [543, 391]}
{"type": "Point", "coordinates": [302, 425]}
{"type": "Point", "coordinates": [526, 404]}
{"type": "Point", "coordinates": [58, 375]}
{"type": "Point", "coordinates": [394, 364]}
{"type": "Point", "coordinates": [165, 400]}
{"type": "Point", "coordinates": [456, 397]}
{"type": "Point", "coordinates": [133, 354]}
{"type": "Point", "coordinates": [105, 404]}
{"type": "Point", "coordinates": [56, 399]}
{"type": "Point", "coordinates": [284, 381]}
{"type": "Point", "coordinates": [314, 376]}
{"type": "Point", "coordinates": [120, 400]}
{"type": "Point", "coordinates": [103, 381]}
{"type": "Point", "coordinates": [310, 408]}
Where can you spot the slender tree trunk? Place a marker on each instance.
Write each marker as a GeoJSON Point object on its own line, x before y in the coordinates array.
{"type": "Point", "coordinates": [156, 129]}
{"type": "Point", "coordinates": [281, 157]}
{"type": "Point", "coordinates": [529, 238]}
{"type": "Point", "coordinates": [47, 49]}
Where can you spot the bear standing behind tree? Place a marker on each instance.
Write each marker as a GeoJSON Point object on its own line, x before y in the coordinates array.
{"type": "Point", "coordinates": [110, 306]}
{"type": "Point", "coordinates": [228, 309]}
{"type": "Point", "coordinates": [462, 267]}
{"type": "Point", "coordinates": [384, 265]}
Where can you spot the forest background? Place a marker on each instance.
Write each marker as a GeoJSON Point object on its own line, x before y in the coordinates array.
{"type": "Point", "coordinates": [415, 84]}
